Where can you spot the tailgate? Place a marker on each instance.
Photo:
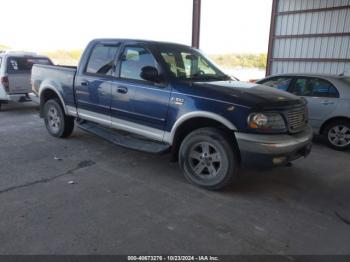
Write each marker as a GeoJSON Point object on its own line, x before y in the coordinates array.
{"type": "Point", "coordinates": [19, 71]}
{"type": "Point", "coordinates": [19, 83]}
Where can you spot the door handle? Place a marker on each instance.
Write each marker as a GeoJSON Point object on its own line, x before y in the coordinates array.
{"type": "Point", "coordinates": [84, 83]}
{"type": "Point", "coordinates": [122, 90]}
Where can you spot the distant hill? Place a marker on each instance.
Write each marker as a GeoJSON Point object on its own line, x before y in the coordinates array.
{"type": "Point", "coordinates": [241, 60]}
{"type": "Point", "coordinates": [64, 57]}
{"type": "Point", "coordinates": [2, 47]}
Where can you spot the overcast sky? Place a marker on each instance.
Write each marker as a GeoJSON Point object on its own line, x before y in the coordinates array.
{"type": "Point", "coordinates": [227, 26]}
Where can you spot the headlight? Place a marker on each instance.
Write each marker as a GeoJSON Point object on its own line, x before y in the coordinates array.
{"type": "Point", "coordinates": [266, 121]}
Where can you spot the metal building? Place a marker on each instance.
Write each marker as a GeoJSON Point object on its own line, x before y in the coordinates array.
{"type": "Point", "coordinates": [309, 36]}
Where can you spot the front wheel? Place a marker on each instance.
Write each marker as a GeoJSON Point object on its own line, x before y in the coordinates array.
{"type": "Point", "coordinates": [56, 121]}
{"type": "Point", "coordinates": [337, 134]}
{"type": "Point", "coordinates": [208, 158]}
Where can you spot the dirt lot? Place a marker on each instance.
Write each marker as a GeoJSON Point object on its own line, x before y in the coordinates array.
{"type": "Point", "coordinates": [127, 202]}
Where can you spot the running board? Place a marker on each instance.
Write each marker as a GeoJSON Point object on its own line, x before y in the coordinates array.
{"type": "Point", "coordinates": [124, 139]}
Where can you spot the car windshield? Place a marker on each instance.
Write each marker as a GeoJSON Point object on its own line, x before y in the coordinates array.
{"type": "Point", "coordinates": [188, 64]}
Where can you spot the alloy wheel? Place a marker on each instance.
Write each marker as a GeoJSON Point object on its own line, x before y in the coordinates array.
{"type": "Point", "coordinates": [205, 160]}
{"type": "Point", "coordinates": [339, 135]}
{"type": "Point", "coordinates": [54, 119]}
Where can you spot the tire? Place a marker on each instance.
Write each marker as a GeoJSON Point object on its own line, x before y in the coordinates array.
{"type": "Point", "coordinates": [337, 134]}
{"type": "Point", "coordinates": [56, 121]}
{"type": "Point", "coordinates": [209, 158]}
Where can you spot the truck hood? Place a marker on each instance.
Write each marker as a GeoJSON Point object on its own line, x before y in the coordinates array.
{"type": "Point", "coordinates": [247, 94]}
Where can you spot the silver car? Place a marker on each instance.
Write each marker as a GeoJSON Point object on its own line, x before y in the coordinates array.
{"type": "Point", "coordinates": [15, 71]}
{"type": "Point", "coordinates": [328, 99]}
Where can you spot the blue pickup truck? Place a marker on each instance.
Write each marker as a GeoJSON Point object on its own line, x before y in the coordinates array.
{"type": "Point", "coordinates": [164, 97]}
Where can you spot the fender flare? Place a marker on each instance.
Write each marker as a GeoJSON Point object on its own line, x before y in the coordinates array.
{"type": "Point", "coordinates": [169, 136]}
{"type": "Point", "coordinates": [57, 93]}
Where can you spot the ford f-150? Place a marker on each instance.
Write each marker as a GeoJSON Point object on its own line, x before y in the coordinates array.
{"type": "Point", "coordinates": [160, 97]}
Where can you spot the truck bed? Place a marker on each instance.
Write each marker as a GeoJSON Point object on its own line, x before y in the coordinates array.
{"type": "Point", "coordinates": [58, 77]}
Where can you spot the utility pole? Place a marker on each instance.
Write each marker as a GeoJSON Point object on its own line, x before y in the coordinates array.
{"type": "Point", "coordinates": [196, 22]}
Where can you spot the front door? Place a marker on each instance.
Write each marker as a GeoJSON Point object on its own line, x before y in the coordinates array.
{"type": "Point", "coordinates": [141, 103]}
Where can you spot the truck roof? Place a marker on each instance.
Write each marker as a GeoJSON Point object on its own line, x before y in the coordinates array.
{"type": "Point", "coordinates": [138, 41]}
{"type": "Point", "coordinates": [20, 54]}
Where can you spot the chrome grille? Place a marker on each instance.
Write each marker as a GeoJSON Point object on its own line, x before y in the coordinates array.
{"type": "Point", "coordinates": [297, 119]}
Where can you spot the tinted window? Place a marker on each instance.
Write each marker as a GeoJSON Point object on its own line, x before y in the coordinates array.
{"type": "Point", "coordinates": [101, 60]}
{"type": "Point", "coordinates": [23, 64]}
{"type": "Point", "coordinates": [0, 61]}
{"type": "Point", "coordinates": [314, 87]}
{"type": "Point", "coordinates": [133, 60]}
{"type": "Point", "coordinates": [281, 83]}
{"type": "Point", "coordinates": [188, 64]}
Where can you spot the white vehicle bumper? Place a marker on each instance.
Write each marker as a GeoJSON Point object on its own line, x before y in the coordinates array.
{"type": "Point", "coordinates": [5, 98]}
{"type": "Point", "coordinates": [34, 97]}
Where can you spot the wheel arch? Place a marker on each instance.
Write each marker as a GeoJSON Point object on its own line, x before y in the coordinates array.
{"type": "Point", "coordinates": [192, 121]}
{"type": "Point", "coordinates": [328, 121]}
{"type": "Point", "coordinates": [47, 93]}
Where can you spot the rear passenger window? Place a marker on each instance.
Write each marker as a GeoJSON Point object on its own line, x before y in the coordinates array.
{"type": "Point", "coordinates": [101, 60]}
{"type": "Point", "coordinates": [24, 64]}
{"type": "Point", "coordinates": [281, 83]}
{"type": "Point", "coordinates": [315, 87]}
{"type": "Point", "coordinates": [133, 60]}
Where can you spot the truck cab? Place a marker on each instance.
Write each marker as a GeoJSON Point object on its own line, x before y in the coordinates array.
{"type": "Point", "coordinates": [160, 97]}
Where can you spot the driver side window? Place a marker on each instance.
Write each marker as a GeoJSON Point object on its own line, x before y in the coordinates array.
{"type": "Point", "coordinates": [133, 60]}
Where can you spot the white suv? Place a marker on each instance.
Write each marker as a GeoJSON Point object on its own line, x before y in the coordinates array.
{"type": "Point", "coordinates": [15, 71]}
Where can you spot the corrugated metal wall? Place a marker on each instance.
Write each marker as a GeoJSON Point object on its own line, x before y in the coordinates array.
{"type": "Point", "coordinates": [309, 36]}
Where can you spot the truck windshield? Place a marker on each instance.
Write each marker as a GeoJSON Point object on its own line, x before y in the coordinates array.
{"type": "Point", "coordinates": [189, 64]}
{"type": "Point", "coordinates": [24, 64]}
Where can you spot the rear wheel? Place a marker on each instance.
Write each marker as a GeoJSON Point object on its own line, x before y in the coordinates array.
{"type": "Point", "coordinates": [337, 134]}
{"type": "Point", "coordinates": [56, 121]}
{"type": "Point", "coordinates": [208, 158]}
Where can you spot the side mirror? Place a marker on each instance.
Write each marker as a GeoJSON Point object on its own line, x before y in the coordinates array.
{"type": "Point", "coordinates": [150, 73]}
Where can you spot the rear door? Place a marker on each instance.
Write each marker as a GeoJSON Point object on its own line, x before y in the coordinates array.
{"type": "Point", "coordinates": [322, 97]}
{"type": "Point", "coordinates": [93, 86]}
{"type": "Point", "coordinates": [18, 71]}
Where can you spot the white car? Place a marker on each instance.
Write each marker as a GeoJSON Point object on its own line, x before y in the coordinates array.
{"type": "Point", "coordinates": [15, 71]}
{"type": "Point", "coordinates": [328, 98]}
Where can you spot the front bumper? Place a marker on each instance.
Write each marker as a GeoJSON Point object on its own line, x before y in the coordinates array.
{"type": "Point", "coordinates": [274, 149]}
